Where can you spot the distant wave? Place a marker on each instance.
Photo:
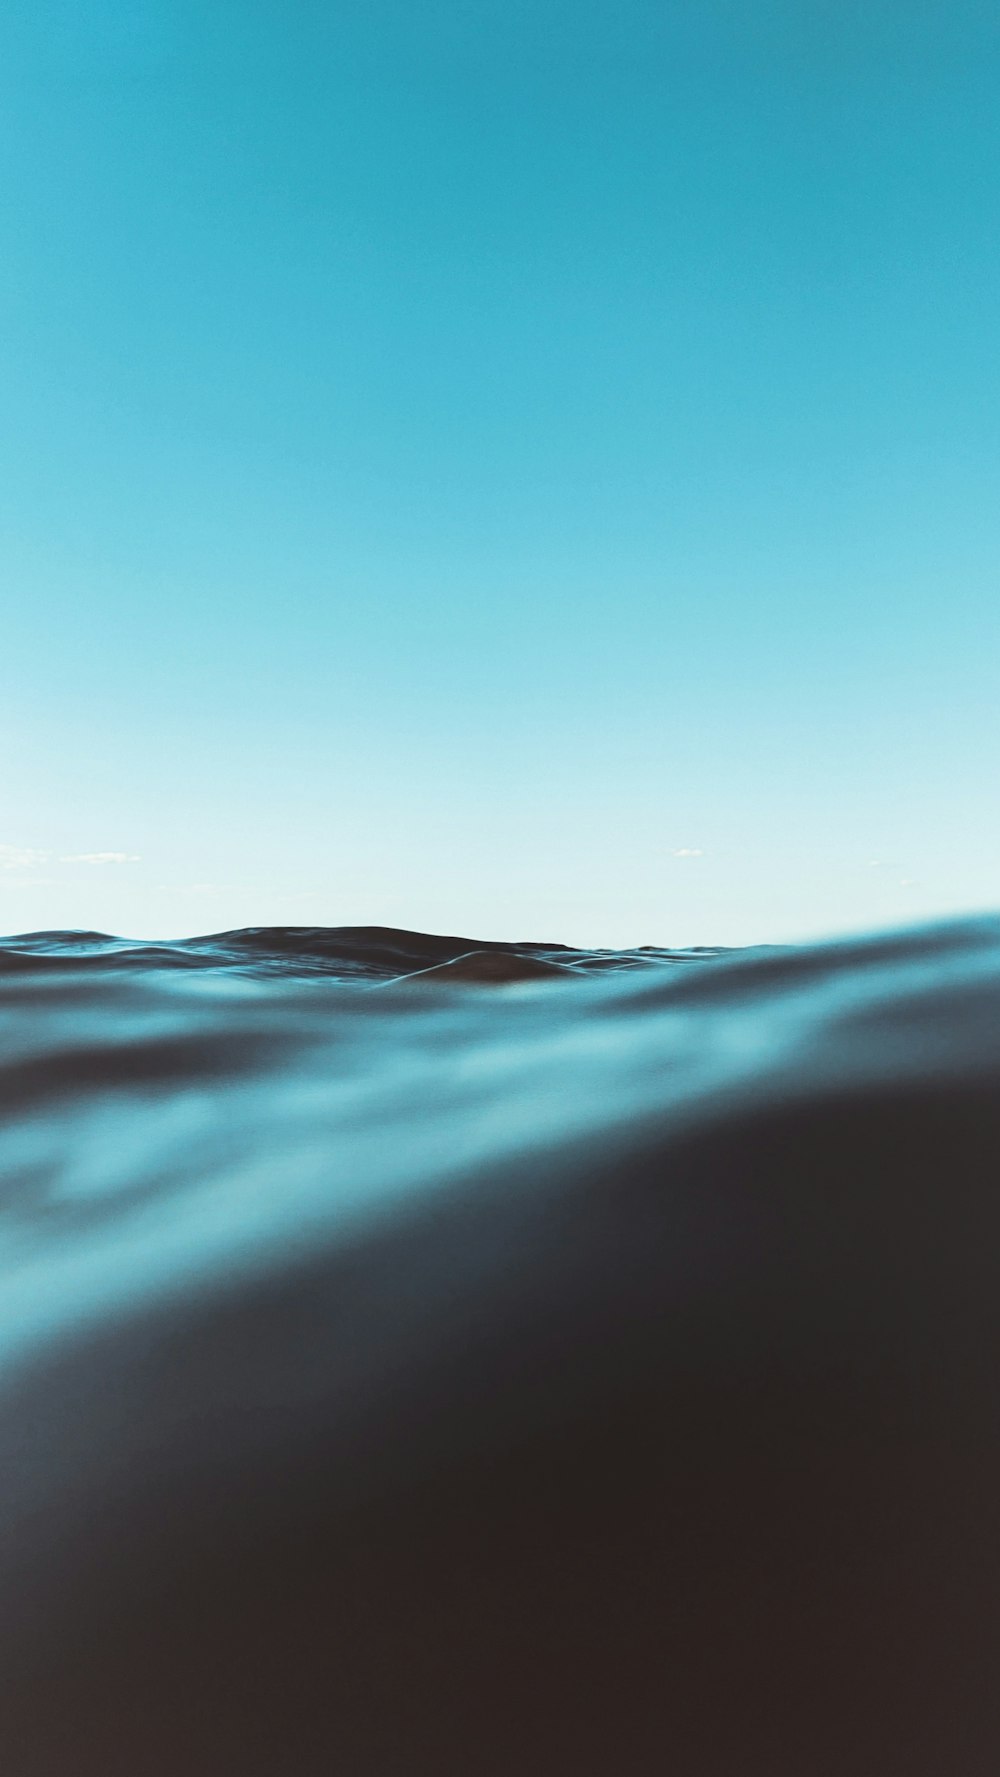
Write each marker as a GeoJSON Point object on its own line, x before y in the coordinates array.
{"type": "Point", "coordinates": [373, 953]}
{"type": "Point", "coordinates": [429, 1356]}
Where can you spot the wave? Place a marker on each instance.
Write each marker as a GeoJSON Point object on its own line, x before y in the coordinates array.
{"type": "Point", "coordinates": [421, 1355]}
{"type": "Point", "coordinates": [371, 953]}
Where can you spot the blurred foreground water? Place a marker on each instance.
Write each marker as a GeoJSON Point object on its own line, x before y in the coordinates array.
{"type": "Point", "coordinates": [427, 1357]}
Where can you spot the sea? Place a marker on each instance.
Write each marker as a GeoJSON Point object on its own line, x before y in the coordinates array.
{"type": "Point", "coordinates": [450, 1358]}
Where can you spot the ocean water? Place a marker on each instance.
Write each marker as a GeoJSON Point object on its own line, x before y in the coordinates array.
{"type": "Point", "coordinates": [422, 1356]}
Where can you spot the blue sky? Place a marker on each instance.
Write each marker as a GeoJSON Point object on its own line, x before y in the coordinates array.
{"type": "Point", "coordinates": [522, 469]}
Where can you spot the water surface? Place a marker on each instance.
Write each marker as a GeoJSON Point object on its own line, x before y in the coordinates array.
{"type": "Point", "coordinates": [425, 1355]}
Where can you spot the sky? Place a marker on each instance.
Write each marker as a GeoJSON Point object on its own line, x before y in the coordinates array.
{"type": "Point", "coordinates": [509, 467]}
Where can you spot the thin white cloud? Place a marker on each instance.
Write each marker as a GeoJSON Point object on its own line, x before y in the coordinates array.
{"type": "Point", "coordinates": [102, 857]}
{"type": "Point", "coordinates": [21, 857]}
{"type": "Point", "coordinates": [689, 851]}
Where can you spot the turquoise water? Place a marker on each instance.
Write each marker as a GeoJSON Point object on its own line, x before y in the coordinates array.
{"type": "Point", "coordinates": [430, 1356]}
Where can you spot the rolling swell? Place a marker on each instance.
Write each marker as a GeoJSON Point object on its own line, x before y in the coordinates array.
{"type": "Point", "coordinates": [368, 953]}
{"type": "Point", "coordinates": [421, 1355]}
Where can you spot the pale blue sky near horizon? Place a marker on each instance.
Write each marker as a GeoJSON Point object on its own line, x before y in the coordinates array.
{"type": "Point", "coordinates": [522, 470]}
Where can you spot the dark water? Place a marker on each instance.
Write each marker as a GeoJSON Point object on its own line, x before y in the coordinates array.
{"type": "Point", "coordinates": [428, 1357]}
